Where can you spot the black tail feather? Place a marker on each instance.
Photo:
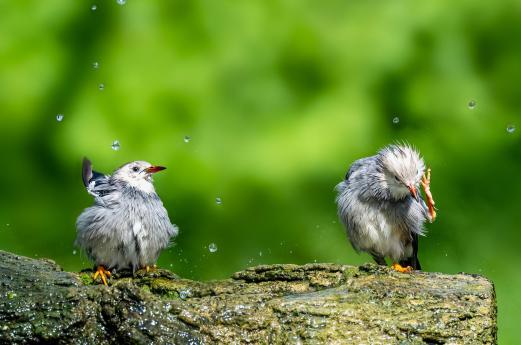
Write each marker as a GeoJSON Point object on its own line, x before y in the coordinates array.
{"type": "Point", "coordinates": [413, 261]}
{"type": "Point", "coordinates": [86, 171]}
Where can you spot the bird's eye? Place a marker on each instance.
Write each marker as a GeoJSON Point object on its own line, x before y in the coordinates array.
{"type": "Point", "coordinates": [136, 169]}
{"type": "Point", "coordinates": [396, 178]}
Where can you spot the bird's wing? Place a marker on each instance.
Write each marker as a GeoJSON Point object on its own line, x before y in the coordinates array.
{"type": "Point", "coordinates": [97, 184]}
{"type": "Point", "coordinates": [357, 165]}
{"type": "Point", "coordinates": [425, 209]}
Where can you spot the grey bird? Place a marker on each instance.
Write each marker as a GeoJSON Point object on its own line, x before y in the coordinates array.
{"type": "Point", "coordinates": [379, 203]}
{"type": "Point", "coordinates": [128, 226]}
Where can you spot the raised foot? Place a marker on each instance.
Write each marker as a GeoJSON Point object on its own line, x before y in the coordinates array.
{"type": "Point", "coordinates": [399, 268]}
{"type": "Point", "coordinates": [426, 183]}
{"type": "Point", "coordinates": [103, 273]}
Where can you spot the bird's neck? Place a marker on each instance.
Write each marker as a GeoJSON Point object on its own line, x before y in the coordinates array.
{"type": "Point", "coordinates": [142, 185]}
{"type": "Point", "coordinates": [398, 193]}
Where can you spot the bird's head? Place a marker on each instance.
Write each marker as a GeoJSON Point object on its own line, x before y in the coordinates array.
{"type": "Point", "coordinates": [402, 168]}
{"type": "Point", "coordinates": [138, 174]}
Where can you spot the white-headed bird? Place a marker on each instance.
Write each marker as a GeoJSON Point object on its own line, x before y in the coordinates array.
{"type": "Point", "coordinates": [379, 203]}
{"type": "Point", "coordinates": [128, 226]}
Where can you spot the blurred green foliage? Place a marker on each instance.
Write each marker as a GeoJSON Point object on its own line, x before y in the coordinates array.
{"type": "Point", "coordinates": [279, 97]}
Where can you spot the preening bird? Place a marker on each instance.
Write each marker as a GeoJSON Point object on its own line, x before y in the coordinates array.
{"type": "Point", "coordinates": [380, 204]}
{"type": "Point", "coordinates": [128, 226]}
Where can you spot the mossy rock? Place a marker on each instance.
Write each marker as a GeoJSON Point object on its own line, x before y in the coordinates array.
{"type": "Point", "coordinates": [272, 304]}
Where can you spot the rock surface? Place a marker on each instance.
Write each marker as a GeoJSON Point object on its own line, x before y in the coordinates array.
{"type": "Point", "coordinates": [276, 304]}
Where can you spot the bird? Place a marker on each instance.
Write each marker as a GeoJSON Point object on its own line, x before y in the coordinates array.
{"type": "Point", "coordinates": [380, 205]}
{"type": "Point", "coordinates": [127, 226]}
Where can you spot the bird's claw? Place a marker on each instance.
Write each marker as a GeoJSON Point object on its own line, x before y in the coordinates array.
{"type": "Point", "coordinates": [103, 273]}
{"type": "Point", "coordinates": [150, 268]}
{"type": "Point", "coordinates": [399, 268]}
{"type": "Point", "coordinates": [426, 183]}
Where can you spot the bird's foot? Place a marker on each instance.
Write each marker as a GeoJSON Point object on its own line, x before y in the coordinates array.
{"type": "Point", "coordinates": [399, 268]}
{"type": "Point", "coordinates": [150, 268]}
{"type": "Point", "coordinates": [426, 183]}
{"type": "Point", "coordinates": [103, 273]}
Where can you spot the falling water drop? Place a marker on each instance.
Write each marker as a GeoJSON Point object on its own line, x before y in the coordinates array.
{"type": "Point", "coordinates": [511, 129]}
{"type": "Point", "coordinates": [218, 201]}
{"type": "Point", "coordinates": [121, 2]}
{"type": "Point", "coordinates": [183, 294]}
{"type": "Point", "coordinates": [396, 120]}
{"type": "Point", "coordinates": [187, 139]}
{"type": "Point", "coordinates": [59, 117]}
{"type": "Point", "coordinates": [94, 7]}
{"type": "Point", "coordinates": [95, 65]}
{"type": "Point", "coordinates": [472, 104]}
{"type": "Point", "coordinates": [74, 252]}
{"type": "Point", "coordinates": [212, 247]}
{"type": "Point", "coordinates": [175, 230]}
{"type": "Point", "coordinates": [101, 87]}
{"type": "Point", "coordinates": [116, 145]}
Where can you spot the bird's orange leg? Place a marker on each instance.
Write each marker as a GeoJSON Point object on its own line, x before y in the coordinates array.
{"type": "Point", "coordinates": [103, 273]}
{"type": "Point", "coordinates": [426, 183]}
{"type": "Point", "coordinates": [399, 268]}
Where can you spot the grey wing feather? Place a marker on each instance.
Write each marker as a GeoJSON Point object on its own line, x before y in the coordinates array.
{"type": "Point", "coordinates": [425, 210]}
{"type": "Point", "coordinates": [344, 199]}
{"type": "Point", "coordinates": [357, 165]}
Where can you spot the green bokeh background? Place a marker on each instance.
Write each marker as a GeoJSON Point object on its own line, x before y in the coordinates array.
{"type": "Point", "coordinates": [278, 97]}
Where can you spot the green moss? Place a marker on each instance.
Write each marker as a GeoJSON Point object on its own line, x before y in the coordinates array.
{"type": "Point", "coordinates": [86, 279]}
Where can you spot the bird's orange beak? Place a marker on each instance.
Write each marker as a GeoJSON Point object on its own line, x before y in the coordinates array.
{"type": "Point", "coordinates": [413, 191]}
{"type": "Point", "coordinates": [154, 168]}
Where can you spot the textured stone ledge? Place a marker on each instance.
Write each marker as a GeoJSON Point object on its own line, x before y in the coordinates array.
{"type": "Point", "coordinates": [276, 304]}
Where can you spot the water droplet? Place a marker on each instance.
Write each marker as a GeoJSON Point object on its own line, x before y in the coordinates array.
{"type": "Point", "coordinates": [121, 2]}
{"type": "Point", "coordinates": [59, 117]}
{"type": "Point", "coordinates": [115, 145]}
{"type": "Point", "coordinates": [212, 247]}
{"type": "Point", "coordinates": [94, 7]}
{"type": "Point", "coordinates": [74, 252]}
{"type": "Point", "coordinates": [218, 201]}
{"type": "Point", "coordinates": [8, 225]}
{"type": "Point", "coordinates": [511, 129]}
{"type": "Point", "coordinates": [171, 265]}
{"type": "Point", "coordinates": [260, 253]}
{"type": "Point", "coordinates": [175, 230]}
{"type": "Point", "coordinates": [396, 120]}
{"type": "Point", "coordinates": [101, 87]}
{"type": "Point", "coordinates": [95, 65]}
{"type": "Point", "coordinates": [183, 294]}
{"type": "Point", "coordinates": [472, 104]}
{"type": "Point", "coordinates": [187, 139]}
